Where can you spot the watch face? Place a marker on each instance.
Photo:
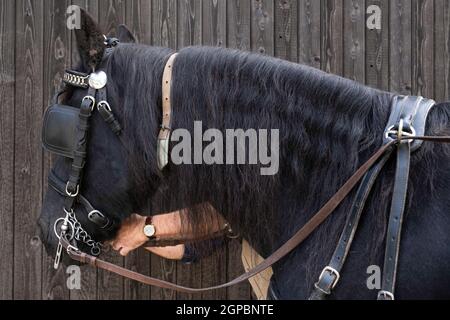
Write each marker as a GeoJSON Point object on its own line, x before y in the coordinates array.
{"type": "Point", "coordinates": [149, 230]}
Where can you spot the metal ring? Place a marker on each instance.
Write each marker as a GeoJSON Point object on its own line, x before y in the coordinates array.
{"type": "Point", "coordinates": [72, 195]}
{"type": "Point", "coordinates": [96, 250]}
{"type": "Point", "coordinates": [55, 227]}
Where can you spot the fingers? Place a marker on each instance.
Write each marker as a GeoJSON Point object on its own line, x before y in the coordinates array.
{"type": "Point", "coordinates": [124, 252]}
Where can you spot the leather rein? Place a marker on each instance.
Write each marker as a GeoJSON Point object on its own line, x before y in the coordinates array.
{"type": "Point", "coordinates": [401, 140]}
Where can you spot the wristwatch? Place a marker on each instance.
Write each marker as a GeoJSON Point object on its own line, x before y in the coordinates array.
{"type": "Point", "coordinates": [149, 228]}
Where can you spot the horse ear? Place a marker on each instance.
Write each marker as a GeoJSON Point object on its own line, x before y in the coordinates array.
{"type": "Point", "coordinates": [90, 41]}
{"type": "Point", "coordinates": [125, 35]}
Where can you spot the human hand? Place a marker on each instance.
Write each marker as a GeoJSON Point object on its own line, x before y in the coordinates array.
{"type": "Point", "coordinates": [130, 235]}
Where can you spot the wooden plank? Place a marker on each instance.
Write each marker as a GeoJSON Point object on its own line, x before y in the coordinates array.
{"type": "Point", "coordinates": [164, 20]}
{"type": "Point", "coordinates": [400, 47]}
{"type": "Point", "coordinates": [7, 86]}
{"type": "Point", "coordinates": [111, 14]}
{"type": "Point", "coordinates": [354, 40]}
{"type": "Point", "coordinates": [139, 19]}
{"type": "Point", "coordinates": [189, 23]}
{"type": "Point", "coordinates": [377, 49]}
{"type": "Point", "coordinates": [423, 41]}
{"type": "Point", "coordinates": [214, 23]}
{"type": "Point", "coordinates": [309, 32]}
{"type": "Point", "coordinates": [442, 50]}
{"type": "Point", "coordinates": [166, 270]}
{"type": "Point", "coordinates": [56, 58]}
{"type": "Point", "coordinates": [332, 36]}
{"type": "Point", "coordinates": [238, 24]}
{"type": "Point", "coordinates": [138, 261]}
{"type": "Point", "coordinates": [28, 153]}
{"type": "Point", "coordinates": [234, 269]}
{"type": "Point", "coordinates": [286, 29]}
{"type": "Point", "coordinates": [262, 27]}
{"type": "Point", "coordinates": [214, 272]}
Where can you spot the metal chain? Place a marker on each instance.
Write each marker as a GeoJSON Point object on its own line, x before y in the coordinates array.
{"type": "Point", "coordinates": [77, 232]}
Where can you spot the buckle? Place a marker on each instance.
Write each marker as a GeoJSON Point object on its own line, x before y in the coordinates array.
{"type": "Point", "coordinates": [385, 295]}
{"type": "Point", "coordinates": [397, 132]}
{"type": "Point", "coordinates": [331, 271]}
{"type": "Point", "coordinates": [71, 194]}
{"type": "Point", "coordinates": [92, 99]}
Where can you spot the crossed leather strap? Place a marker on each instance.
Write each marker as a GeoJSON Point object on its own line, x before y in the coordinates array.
{"type": "Point", "coordinates": [282, 252]}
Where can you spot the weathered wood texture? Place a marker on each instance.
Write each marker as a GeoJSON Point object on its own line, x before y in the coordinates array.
{"type": "Point", "coordinates": [410, 54]}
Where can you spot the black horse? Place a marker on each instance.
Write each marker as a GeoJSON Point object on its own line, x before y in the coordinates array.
{"type": "Point", "coordinates": [328, 127]}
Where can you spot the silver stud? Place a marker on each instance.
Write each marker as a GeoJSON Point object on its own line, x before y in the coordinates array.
{"type": "Point", "coordinates": [98, 80]}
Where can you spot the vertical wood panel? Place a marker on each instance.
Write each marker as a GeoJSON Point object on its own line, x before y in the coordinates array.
{"type": "Point", "coordinates": [262, 26]}
{"type": "Point", "coordinates": [238, 24]}
{"type": "Point", "coordinates": [214, 23]}
{"type": "Point", "coordinates": [56, 59]}
{"type": "Point", "coordinates": [7, 85]}
{"type": "Point", "coordinates": [139, 19]}
{"type": "Point", "coordinates": [309, 34]}
{"type": "Point", "coordinates": [332, 37]}
{"type": "Point", "coordinates": [286, 29]}
{"type": "Point", "coordinates": [377, 49]}
{"type": "Point", "coordinates": [442, 50]}
{"type": "Point", "coordinates": [164, 23]}
{"type": "Point", "coordinates": [400, 47]}
{"type": "Point", "coordinates": [28, 153]}
{"type": "Point", "coordinates": [354, 40]}
{"type": "Point", "coordinates": [423, 40]}
{"type": "Point", "coordinates": [189, 23]}
{"type": "Point", "coordinates": [111, 14]}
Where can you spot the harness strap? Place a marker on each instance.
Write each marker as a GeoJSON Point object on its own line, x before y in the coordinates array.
{"type": "Point", "coordinates": [166, 125]}
{"type": "Point", "coordinates": [330, 276]}
{"type": "Point", "coordinates": [395, 221]}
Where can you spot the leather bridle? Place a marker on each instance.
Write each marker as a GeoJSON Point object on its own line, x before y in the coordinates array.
{"type": "Point", "coordinates": [400, 136]}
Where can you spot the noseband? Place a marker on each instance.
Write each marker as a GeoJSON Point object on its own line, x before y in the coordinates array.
{"type": "Point", "coordinates": [66, 133]}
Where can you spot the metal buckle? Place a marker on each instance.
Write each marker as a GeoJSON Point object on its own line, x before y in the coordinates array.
{"type": "Point", "coordinates": [385, 295]}
{"type": "Point", "coordinates": [397, 132]}
{"type": "Point", "coordinates": [72, 195]}
{"type": "Point", "coordinates": [92, 101]}
{"type": "Point", "coordinates": [90, 217]}
{"type": "Point", "coordinates": [104, 104]}
{"type": "Point", "coordinates": [332, 271]}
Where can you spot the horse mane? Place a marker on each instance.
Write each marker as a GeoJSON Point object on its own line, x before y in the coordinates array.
{"type": "Point", "coordinates": [328, 127]}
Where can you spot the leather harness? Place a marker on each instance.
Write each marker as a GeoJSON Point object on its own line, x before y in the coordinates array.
{"type": "Point", "coordinates": [405, 132]}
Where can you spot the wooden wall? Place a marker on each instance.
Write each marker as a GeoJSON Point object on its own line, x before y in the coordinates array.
{"type": "Point", "coordinates": [409, 55]}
